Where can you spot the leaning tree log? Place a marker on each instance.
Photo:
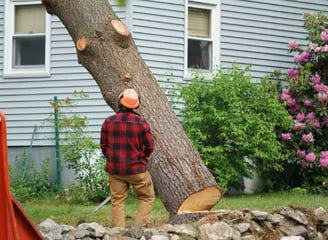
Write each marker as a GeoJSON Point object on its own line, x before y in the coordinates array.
{"type": "Point", "coordinates": [105, 47]}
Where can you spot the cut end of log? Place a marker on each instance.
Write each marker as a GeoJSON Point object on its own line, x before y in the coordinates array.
{"type": "Point", "coordinates": [120, 27]}
{"type": "Point", "coordinates": [202, 201]}
{"type": "Point", "coordinates": [81, 44]}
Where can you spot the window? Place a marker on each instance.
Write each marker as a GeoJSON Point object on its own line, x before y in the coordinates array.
{"type": "Point", "coordinates": [199, 43]}
{"type": "Point", "coordinates": [26, 39]}
{"type": "Point", "coordinates": [203, 36]}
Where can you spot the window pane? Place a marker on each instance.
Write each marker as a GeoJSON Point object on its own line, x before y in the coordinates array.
{"type": "Point", "coordinates": [199, 54]}
{"type": "Point", "coordinates": [199, 22]}
{"type": "Point", "coordinates": [29, 51]}
{"type": "Point", "coordinates": [29, 19]}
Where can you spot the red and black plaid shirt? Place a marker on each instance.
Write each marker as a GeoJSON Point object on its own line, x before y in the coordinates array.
{"type": "Point", "coordinates": [126, 142]}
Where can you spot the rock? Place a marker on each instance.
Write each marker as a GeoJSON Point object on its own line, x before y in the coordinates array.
{"type": "Point", "coordinates": [292, 238]}
{"type": "Point", "coordinates": [295, 215]}
{"type": "Point", "coordinates": [51, 229]}
{"type": "Point", "coordinates": [159, 237]}
{"type": "Point", "coordinates": [94, 229]}
{"type": "Point", "coordinates": [81, 233]}
{"type": "Point", "coordinates": [216, 231]}
{"type": "Point", "coordinates": [289, 228]}
{"type": "Point", "coordinates": [259, 215]}
{"type": "Point", "coordinates": [319, 211]}
{"type": "Point", "coordinates": [245, 224]}
{"type": "Point", "coordinates": [256, 228]}
{"type": "Point", "coordinates": [325, 234]}
{"type": "Point", "coordinates": [275, 218]}
{"type": "Point", "coordinates": [242, 227]}
{"type": "Point", "coordinates": [68, 236]}
{"type": "Point", "coordinates": [135, 231]}
{"type": "Point", "coordinates": [248, 237]}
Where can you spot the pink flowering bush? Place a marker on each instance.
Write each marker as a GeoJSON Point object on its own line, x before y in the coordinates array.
{"type": "Point", "coordinates": [306, 99]}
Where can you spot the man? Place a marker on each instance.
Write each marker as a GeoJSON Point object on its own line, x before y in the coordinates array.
{"type": "Point", "coordinates": [126, 141]}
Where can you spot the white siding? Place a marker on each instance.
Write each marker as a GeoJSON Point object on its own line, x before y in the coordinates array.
{"type": "Point", "coordinates": [257, 32]}
{"type": "Point", "coordinates": [158, 30]}
{"type": "Point", "coordinates": [26, 101]}
{"type": "Point", "coordinates": [252, 32]}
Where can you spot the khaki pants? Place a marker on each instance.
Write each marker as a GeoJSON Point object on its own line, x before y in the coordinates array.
{"type": "Point", "coordinates": [144, 190]}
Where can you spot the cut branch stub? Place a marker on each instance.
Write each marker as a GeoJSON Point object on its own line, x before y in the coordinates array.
{"type": "Point", "coordinates": [128, 77]}
{"type": "Point", "coordinates": [120, 27]}
{"type": "Point", "coordinates": [81, 44]}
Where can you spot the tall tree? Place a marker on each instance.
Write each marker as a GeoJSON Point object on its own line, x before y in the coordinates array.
{"type": "Point", "coordinates": [105, 47]}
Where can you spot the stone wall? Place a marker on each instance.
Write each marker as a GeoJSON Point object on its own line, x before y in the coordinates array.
{"type": "Point", "coordinates": [287, 223]}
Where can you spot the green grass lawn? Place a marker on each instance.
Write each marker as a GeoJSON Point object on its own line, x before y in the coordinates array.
{"type": "Point", "coordinates": [73, 214]}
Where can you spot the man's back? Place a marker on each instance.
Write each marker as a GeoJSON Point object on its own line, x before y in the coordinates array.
{"type": "Point", "coordinates": [126, 142]}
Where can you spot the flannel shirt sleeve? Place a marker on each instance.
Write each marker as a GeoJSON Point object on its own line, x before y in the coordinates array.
{"type": "Point", "coordinates": [103, 139]}
{"type": "Point", "coordinates": [149, 145]}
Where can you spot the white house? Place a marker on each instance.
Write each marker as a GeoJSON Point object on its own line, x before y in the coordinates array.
{"type": "Point", "coordinates": [38, 58]}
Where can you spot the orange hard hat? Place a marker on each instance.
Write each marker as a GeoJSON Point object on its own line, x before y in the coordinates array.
{"type": "Point", "coordinates": [129, 98]}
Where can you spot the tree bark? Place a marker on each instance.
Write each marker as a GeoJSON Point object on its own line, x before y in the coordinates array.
{"type": "Point", "coordinates": [105, 47]}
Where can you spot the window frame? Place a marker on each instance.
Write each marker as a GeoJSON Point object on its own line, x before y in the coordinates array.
{"type": "Point", "coordinates": [9, 70]}
{"type": "Point", "coordinates": [214, 7]}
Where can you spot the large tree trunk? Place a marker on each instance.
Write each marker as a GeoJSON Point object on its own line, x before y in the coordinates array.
{"type": "Point", "coordinates": [107, 50]}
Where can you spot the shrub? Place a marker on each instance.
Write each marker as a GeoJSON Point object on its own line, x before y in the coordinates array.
{"type": "Point", "coordinates": [29, 182]}
{"type": "Point", "coordinates": [79, 151]}
{"type": "Point", "coordinates": [306, 99]}
{"type": "Point", "coordinates": [232, 122]}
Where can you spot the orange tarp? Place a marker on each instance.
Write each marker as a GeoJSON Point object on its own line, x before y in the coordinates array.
{"type": "Point", "coordinates": [14, 223]}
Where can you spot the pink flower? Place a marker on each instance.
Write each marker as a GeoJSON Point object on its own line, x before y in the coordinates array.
{"type": "Point", "coordinates": [324, 154]}
{"type": "Point", "coordinates": [301, 153]}
{"type": "Point", "coordinates": [298, 58]}
{"type": "Point", "coordinates": [293, 44]}
{"type": "Point", "coordinates": [299, 126]}
{"type": "Point", "coordinates": [308, 103]}
{"type": "Point", "coordinates": [292, 102]}
{"type": "Point", "coordinates": [311, 116]}
{"type": "Point", "coordinates": [315, 79]}
{"type": "Point", "coordinates": [304, 164]}
{"type": "Point", "coordinates": [285, 96]}
{"type": "Point", "coordinates": [292, 111]}
{"type": "Point", "coordinates": [322, 96]}
{"type": "Point", "coordinates": [325, 119]}
{"type": "Point", "coordinates": [320, 87]}
{"type": "Point", "coordinates": [306, 56]}
{"type": "Point", "coordinates": [286, 136]}
{"type": "Point", "coordinates": [325, 48]}
{"type": "Point", "coordinates": [297, 106]}
{"type": "Point", "coordinates": [324, 162]}
{"type": "Point", "coordinates": [293, 72]}
{"type": "Point", "coordinates": [314, 47]}
{"type": "Point", "coordinates": [296, 73]}
{"type": "Point", "coordinates": [308, 137]}
{"type": "Point", "coordinates": [300, 117]}
{"type": "Point", "coordinates": [303, 57]}
{"type": "Point", "coordinates": [315, 123]}
{"type": "Point", "coordinates": [310, 157]}
{"type": "Point", "coordinates": [286, 91]}
{"type": "Point", "coordinates": [324, 35]}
